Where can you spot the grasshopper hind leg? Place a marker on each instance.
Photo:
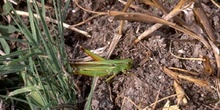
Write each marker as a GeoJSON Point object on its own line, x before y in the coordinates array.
{"type": "Point", "coordinates": [109, 78]}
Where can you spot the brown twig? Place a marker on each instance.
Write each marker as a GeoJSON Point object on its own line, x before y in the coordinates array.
{"type": "Point", "coordinates": [157, 97]}
{"type": "Point", "coordinates": [217, 5]}
{"type": "Point", "coordinates": [136, 7]}
{"type": "Point", "coordinates": [94, 12]}
{"type": "Point", "coordinates": [85, 21]}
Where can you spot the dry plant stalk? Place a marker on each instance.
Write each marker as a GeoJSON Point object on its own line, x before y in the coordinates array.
{"type": "Point", "coordinates": [198, 82]}
{"type": "Point", "coordinates": [183, 4]}
{"type": "Point", "coordinates": [217, 57]}
{"type": "Point", "coordinates": [183, 70]}
{"type": "Point", "coordinates": [181, 99]}
{"type": "Point", "coordinates": [216, 4]}
{"type": "Point", "coordinates": [148, 18]}
{"type": "Point", "coordinates": [117, 37]}
{"type": "Point", "coordinates": [176, 76]}
{"type": "Point", "coordinates": [149, 2]}
{"type": "Point", "coordinates": [136, 7]}
{"type": "Point", "coordinates": [147, 107]}
{"type": "Point", "coordinates": [22, 13]}
{"type": "Point", "coordinates": [175, 18]}
{"type": "Point", "coordinates": [122, 21]}
{"type": "Point", "coordinates": [171, 73]}
{"type": "Point", "coordinates": [217, 83]}
{"type": "Point", "coordinates": [167, 106]}
{"type": "Point", "coordinates": [157, 4]}
{"type": "Point", "coordinates": [128, 99]}
{"type": "Point", "coordinates": [207, 66]}
{"type": "Point", "coordinates": [170, 50]}
{"type": "Point", "coordinates": [157, 97]}
{"type": "Point", "coordinates": [203, 20]}
{"type": "Point", "coordinates": [165, 98]}
{"type": "Point", "coordinates": [97, 14]}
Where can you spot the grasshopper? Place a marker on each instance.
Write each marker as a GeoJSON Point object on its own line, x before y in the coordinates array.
{"type": "Point", "coordinates": [101, 67]}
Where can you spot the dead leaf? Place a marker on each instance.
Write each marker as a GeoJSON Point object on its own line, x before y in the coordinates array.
{"type": "Point", "coordinates": [203, 20]}
{"type": "Point", "coordinates": [168, 107]}
{"type": "Point", "coordinates": [181, 99]}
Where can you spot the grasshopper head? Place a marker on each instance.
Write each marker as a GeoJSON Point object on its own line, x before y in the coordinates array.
{"type": "Point", "coordinates": [126, 65]}
{"type": "Point", "coordinates": [129, 64]}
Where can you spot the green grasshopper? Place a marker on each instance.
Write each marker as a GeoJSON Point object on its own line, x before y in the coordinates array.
{"type": "Point", "coordinates": [101, 67]}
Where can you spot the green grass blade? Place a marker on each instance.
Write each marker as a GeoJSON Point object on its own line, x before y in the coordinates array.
{"type": "Point", "coordinates": [13, 98]}
{"type": "Point", "coordinates": [23, 90]}
{"type": "Point", "coordinates": [5, 46]}
{"type": "Point", "coordinates": [6, 69]}
{"type": "Point", "coordinates": [41, 64]}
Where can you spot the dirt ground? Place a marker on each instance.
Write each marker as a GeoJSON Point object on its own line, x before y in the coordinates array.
{"type": "Point", "coordinates": [146, 81]}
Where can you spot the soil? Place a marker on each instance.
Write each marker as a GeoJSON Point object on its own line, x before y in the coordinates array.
{"type": "Point", "coordinates": [145, 82]}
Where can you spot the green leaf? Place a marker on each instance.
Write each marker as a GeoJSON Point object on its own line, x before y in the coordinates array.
{"type": "Point", "coordinates": [5, 46]}
{"type": "Point", "coordinates": [6, 9]}
{"type": "Point", "coordinates": [6, 30]}
{"type": "Point", "coordinates": [6, 69]}
{"type": "Point", "coordinates": [23, 90]}
{"type": "Point", "coordinates": [36, 97]}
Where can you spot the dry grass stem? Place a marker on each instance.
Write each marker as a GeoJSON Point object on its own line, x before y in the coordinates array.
{"type": "Point", "coordinates": [170, 73]}
{"type": "Point", "coordinates": [172, 14]}
{"type": "Point", "coordinates": [148, 18]}
{"type": "Point", "coordinates": [217, 57]}
{"type": "Point", "coordinates": [198, 82]}
{"type": "Point", "coordinates": [117, 37]}
{"type": "Point", "coordinates": [128, 99]}
{"type": "Point", "coordinates": [165, 98]}
{"type": "Point", "coordinates": [22, 13]}
{"type": "Point", "coordinates": [147, 107]}
{"type": "Point", "coordinates": [176, 76]}
{"type": "Point", "coordinates": [166, 11]}
{"type": "Point", "coordinates": [94, 12]}
{"type": "Point", "coordinates": [149, 2]}
{"type": "Point", "coordinates": [167, 106]}
{"type": "Point", "coordinates": [170, 50]}
{"type": "Point", "coordinates": [216, 4]}
{"type": "Point", "coordinates": [85, 21]}
{"type": "Point", "coordinates": [183, 70]}
{"type": "Point", "coordinates": [181, 99]}
{"type": "Point", "coordinates": [84, 9]}
{"type": "Point", "coordinates": [207, 66]}
{"type": "Point", "coordinates": [136, 7]}
{"type": "Point", "coordinates": [113, 44]}
{"type": "Point", "coordinates": [155, 104]}
{"type": "Point", "coordinates": [204, 21]}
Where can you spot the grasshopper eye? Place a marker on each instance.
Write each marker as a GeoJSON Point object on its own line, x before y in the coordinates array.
{"type": "Point", "coordinates": [129, 64]}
